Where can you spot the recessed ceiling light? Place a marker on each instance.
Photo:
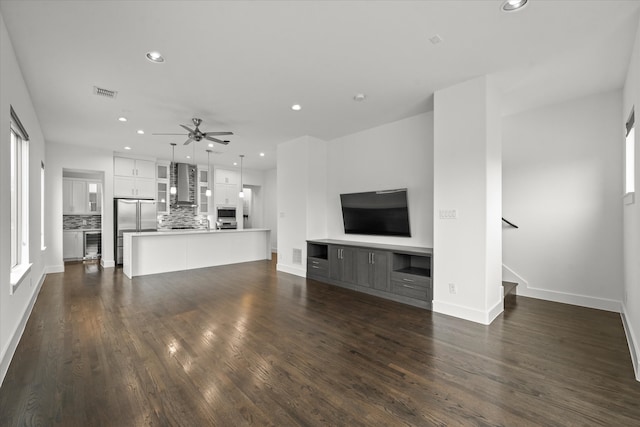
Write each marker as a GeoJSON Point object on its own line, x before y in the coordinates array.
{"type": "Point", "coordinates": [140, 132]}
{"type": "Point", "coordinates": [435, 39]}
{"type": "Point", "coordinates": [211, 145]}
{"type": "Point", "coordinates": [155, 57]}
{"type": "Point", "coordinates": [188, 157]}
{"type": "Point", "coordinates": [360, 97]}
{"type": "Point", "coordinates": [122, 119]}
{"type": "Point", "coordinates": [261, 154]}
{"type": "Point", "coordinates": [127, 148]}
{"type": "Point", "coordinates": [513, 5]}
{"type": "Point", "coordinates": [235, 163]}
{"type": "Point", "coordinates": [296, 107]}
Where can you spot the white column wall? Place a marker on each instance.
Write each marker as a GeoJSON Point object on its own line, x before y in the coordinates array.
{"type": "Point", "coordinates": [301, 184]}
{"type": "Point", "coordinates": [467, 178]}
{"type": "Point", "coordinates": [631, 292]}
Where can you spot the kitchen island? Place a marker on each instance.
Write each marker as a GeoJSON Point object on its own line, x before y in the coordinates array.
{"type": "Point", "coordinates": [164, 251]}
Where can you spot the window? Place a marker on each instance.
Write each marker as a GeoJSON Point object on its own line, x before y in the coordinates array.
{"type": "Point", "coordinates": [19, 153]}
{"type": "Point", "coordinates": [629, 180]}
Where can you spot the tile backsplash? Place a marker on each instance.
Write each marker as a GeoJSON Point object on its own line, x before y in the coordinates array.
{"type": "Point", "coordinates": [183, 217]}
{"type": "Point", "coordinates": [75, 222]}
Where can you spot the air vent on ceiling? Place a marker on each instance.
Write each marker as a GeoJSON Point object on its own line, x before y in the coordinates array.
{"type": "Point", "coordinates": [104, 92]}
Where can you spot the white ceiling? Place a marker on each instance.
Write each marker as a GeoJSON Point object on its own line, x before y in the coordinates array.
{"type": "Point", "coordinates": [240, 65]}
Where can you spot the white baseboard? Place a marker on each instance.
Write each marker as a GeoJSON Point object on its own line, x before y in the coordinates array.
{"type": "Point", "coordinates": [633, 341]}
{"type": "Point", "coordinates": [573, 299]}
{"type": "Point", "coordinates": [468, 313]}
{"type": "Point", "coordinates": [527, 290]}
{"type": "Point", "coordinates": [298, 271]}
{"type": "Point", "coordinates": [54, 269]}
{"type": "Point", "coordinates": [107, 263]}
{"type": "Point", "coordinates": [12, 344]}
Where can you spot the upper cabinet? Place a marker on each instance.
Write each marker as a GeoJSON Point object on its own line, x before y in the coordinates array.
{"type": "Point", "coordinates": [202, 187]}
{"type": "Point", "coordinates": [81, 197]}
{"type": "Point", "coordinates": [134, 178]}
{"type": "Point", "coordinates": [163, 197]}
{"type": "Point", "coordinates": [224, 176]}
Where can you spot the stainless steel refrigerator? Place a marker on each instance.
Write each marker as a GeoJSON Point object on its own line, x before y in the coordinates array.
{"type": "Point", "coordinates": [132, 216]}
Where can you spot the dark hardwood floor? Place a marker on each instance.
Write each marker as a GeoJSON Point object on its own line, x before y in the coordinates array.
{"type": "Point", "coordinates": [244, 345]}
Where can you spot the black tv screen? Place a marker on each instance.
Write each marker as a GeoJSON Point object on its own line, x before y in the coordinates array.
{"type": "Point", "coordinates": [381, 213]}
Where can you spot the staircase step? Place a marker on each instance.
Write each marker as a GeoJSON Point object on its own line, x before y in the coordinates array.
{"type": "Point", "coordinates": [509, 287]}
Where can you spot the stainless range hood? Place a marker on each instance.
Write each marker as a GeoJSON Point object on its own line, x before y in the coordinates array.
{"type": "Point", "coordinates": [185, 182]}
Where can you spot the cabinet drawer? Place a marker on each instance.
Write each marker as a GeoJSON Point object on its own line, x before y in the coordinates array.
{"type": "Point", "coordinates": [317, 267]}
{"type": "Point", "coordinates": [410, 278]}
{"type": "Point", "coordinates": [411, 290]}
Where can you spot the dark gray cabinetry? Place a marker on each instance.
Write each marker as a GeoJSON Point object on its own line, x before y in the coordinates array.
{"type": "Point", "coordinates": [399, 273]}
{"type": "Point", "coordinates": [342, 263]}
{"type": "Point", "coordinates": [372, 269]}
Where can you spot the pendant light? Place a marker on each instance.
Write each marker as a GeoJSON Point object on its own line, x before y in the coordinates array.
{"type": "Point", "coordinates": [208, 192]}
{"type": "Point", "coordinates": [173, 189]}
{"type": "Point", "coordinates": [241, 194]}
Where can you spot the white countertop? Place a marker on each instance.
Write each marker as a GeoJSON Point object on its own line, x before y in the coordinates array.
{"type": "Point", "coordinates": [183, 232]}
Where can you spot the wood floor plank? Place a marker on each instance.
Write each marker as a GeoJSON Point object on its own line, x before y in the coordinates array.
{"type": "Point", "coordinates": [244, 345]}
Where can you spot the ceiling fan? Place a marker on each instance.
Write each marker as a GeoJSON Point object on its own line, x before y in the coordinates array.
{"type": "Point", "coordinates": [197, 135]}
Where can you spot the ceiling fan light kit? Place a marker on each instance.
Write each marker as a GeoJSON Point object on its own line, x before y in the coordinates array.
{"type": "Point", "coordinates": [197, 135]}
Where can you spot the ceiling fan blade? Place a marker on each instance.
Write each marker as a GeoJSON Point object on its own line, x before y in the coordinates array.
{"type": "Point", "coordinates": [188, 141]}
{"type": "Point", "coordinates": [218, 133]}
{"type": "Point", "coordinates": [167, 134]}
{"type": "Point", "coordinates": [189, 130]}
{"type": "Point", "coordinates": [219, 141]}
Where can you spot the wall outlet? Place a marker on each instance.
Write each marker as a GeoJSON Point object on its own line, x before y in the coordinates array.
{"type": "Point", "coordinates": [452, 288]}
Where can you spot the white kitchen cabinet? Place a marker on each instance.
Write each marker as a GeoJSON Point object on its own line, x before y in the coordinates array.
{"type": "Point", "coordinates": [123, 166]}
{"type": "Point", "coordinates": [134, 187]}
{"type": "Point", "coordinates": [223, 176]}
{"type": "Point", "coordinates": [81, 197]}
{"type": "Point", "coordinates": [163, 198]}
{"type": "Point", "coordinates": [134, 178]}
{"type": "Point", "coordinates": [202, 185]}
{"type": "Point", "coordinates": [226, 194]}
{"type": "Point", "coordinates": [72, 244]}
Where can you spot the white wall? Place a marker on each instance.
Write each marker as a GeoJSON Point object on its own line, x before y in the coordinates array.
{"type": "Point", "coordinates": [562, 184]}
{"type": "Point", "coordinates": [467, 249]}
{"type": "Point", "coordinates": [301, 183]}
{"type": "Point", "coordinates": [15, 309]}
{"type": "Point", "coordinates": [631, 292]}
{"type": "Point", "coordinates": [394, 155]}
{"type": "Point", "coordinates": [270, 197]}
{"type": "Point", "coordinates": [64, 156]}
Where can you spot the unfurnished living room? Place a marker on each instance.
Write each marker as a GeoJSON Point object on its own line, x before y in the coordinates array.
{"type": "Point", "coordinates": [349, 213]}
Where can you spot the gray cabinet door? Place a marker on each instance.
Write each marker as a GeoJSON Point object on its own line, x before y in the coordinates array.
{"type": "Point", "coordinates": [380, 270]}
{"type": "Point", "coordinates": [372, 269]}
{"type": "Point", "coordinates": [342, 263]}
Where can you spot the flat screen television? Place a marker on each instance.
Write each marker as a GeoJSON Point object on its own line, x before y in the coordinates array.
{"type": "Point", "coordinates": [380, 213]}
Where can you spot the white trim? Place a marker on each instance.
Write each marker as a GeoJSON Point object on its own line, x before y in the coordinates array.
{"type": "Point", "coordinates": [468, 313]}
{"type": "Point", "coordinates": [107, 263]}
{"type": "Point", "coordinates": [18, 274]}
{"type": "Point", "coordinates": [54, 269]}
{"type": "Point", "coordinates": [525, 290]}
{"type": "Point", "coordinates": [12, 344]}
{"type": "Point", "coordinates": [291, 270]}
{"type": "Point", "coordinates": [629, 198]}
{"type": "Point", "coordinates": [633, 343]}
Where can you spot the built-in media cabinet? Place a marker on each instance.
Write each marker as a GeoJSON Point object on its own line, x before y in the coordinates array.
{"type": "Point", "coordinates": [399, 273]}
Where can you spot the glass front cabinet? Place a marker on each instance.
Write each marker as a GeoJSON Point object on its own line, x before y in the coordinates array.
{"type": "Point", "coordinates": [203, 186]}
{"type": "Point", "coordinates": [162, 188]}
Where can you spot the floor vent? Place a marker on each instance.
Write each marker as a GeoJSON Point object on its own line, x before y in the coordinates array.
{"type": "Point", "coordinates": [297, 256]}
{"type": "Point", "coordinates": [104, 92]}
